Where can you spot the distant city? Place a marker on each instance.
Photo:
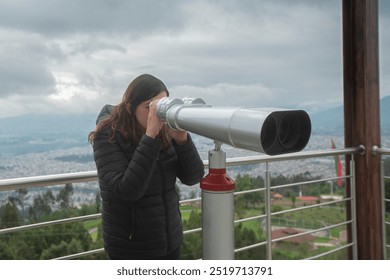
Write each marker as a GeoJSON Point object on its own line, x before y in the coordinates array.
{"type": "Point", "coordinates": [38, 145]}
{"type": "Point", "coordinates": [80, 158]}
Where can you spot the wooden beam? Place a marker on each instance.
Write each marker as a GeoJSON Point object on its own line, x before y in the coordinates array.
{"type": "Point", "coordinates": [362, 118]}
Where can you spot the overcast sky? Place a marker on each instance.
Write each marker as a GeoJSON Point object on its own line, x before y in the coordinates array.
{"type": "Point", "coordinates": [75, 56]}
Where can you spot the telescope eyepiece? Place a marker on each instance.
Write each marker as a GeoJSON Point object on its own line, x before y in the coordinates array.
{"type": "Point", "coordinates": [164, 104]}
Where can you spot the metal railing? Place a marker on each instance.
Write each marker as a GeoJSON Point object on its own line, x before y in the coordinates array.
{"type": "Point", "coordinates": [386, 224]}
{"type": "Point", "coordinates": [267, 190]}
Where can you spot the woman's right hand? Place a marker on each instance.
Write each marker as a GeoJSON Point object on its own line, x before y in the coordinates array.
{"type": "Point", "coordinates": [154, 124]}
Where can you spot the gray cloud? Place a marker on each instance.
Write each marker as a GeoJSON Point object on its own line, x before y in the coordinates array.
{"type": "Point", "coordinates": [56, 18]}
{"type": "Point", "coordinates": [23, 65]}
{"type": "Point", "coordinates": [75, 56]}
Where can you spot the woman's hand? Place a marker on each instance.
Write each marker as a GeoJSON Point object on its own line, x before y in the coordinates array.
{"type": "Point", "coordinates": [154, 124]}
{"type": "Point", "coordinates": [180, 137]}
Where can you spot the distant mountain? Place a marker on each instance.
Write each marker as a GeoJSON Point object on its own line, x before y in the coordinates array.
{"type": "Point", "coordinates": [77, 126]}
{"type": "Point", "coordinates": [31, 124]}
{"type": "Point", "coordinates": [36, 133]}
{"type": "Point", "coordinates": [332, 121]}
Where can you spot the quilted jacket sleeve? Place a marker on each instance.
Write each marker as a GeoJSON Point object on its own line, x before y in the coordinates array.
{"type": "Point", "coordinates": [126, 180]}
{"type": "Point", "coordinates": [190, 165]}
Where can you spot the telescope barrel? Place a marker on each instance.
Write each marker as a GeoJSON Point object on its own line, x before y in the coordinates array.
{"type": "Point", "coordinates": [267, 130]}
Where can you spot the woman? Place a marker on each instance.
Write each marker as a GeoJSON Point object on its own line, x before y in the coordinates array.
{"type": "Point", "coordinates": [138, 160]}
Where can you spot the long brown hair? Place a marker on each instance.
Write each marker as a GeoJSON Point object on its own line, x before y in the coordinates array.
{"type": "Point", "coordinates": [123, 119]}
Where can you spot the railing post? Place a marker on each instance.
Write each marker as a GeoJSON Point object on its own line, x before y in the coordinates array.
{"type": "Point", "coordinates": [383, 191]}
{"type": "Point", "coordinates": [268, 212]}
{"type": "Point", "coordinates": [217, 209]}
{"type": "Point", "coordinates": [353, 208]}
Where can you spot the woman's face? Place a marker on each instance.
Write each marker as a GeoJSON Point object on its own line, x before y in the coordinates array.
{"type": "Point", "coordinates": [142, 110]}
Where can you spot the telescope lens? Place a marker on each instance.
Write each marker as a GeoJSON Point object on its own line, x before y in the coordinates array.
{"type": "Point", "coordinates": [289, 131]}
{"type": "Point", "coordinates": [268, 133]}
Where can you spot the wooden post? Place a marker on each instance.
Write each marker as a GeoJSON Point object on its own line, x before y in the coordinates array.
{"type": "Point", "coordinates": [361, 118]}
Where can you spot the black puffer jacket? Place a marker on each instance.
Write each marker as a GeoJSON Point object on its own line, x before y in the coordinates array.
{"type": "Point", "coordinates": [141, 218]}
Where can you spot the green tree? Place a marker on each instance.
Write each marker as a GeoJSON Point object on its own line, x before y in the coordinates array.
{"type": "Point", "coordinates": [98, 202]}
{"type": "Point", "coordinates": [21, 249]}
{"type": "Point", "coordinates": [293, 201]}
{"type": "Point", "coordinates": [244, 236]}
{"type": "Point", "coordinates": [22, 195]}
{"type": "Point", "coordinates": [191, 248]}
{"type": "Point", "coordinates": [64, 197]}
{"type": "Point", "coordinates": [5, 251]}
{"type": "Point", "coordinates": [48, 242]}
{"type": "Point", "coordinates": [9, 215]}
{"type": "Point", "coordinates": [62, 249]}
{"type": "Point", "coordinates": [243, 201]}
{"type": "Point", "coordinates": [42, 206]}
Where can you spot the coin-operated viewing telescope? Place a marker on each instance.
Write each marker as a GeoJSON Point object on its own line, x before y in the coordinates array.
{"type": "Point", "coordinates": [267, 130]}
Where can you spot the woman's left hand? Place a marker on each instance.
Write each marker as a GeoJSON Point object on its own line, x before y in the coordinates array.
{"type": "Point", "coordinates": [180, 137]}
